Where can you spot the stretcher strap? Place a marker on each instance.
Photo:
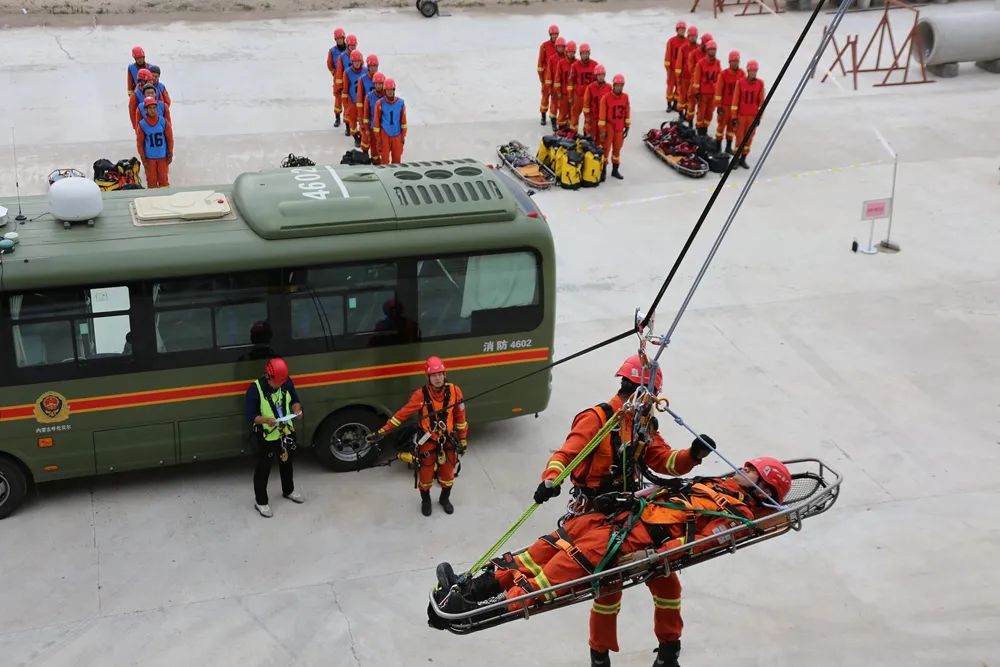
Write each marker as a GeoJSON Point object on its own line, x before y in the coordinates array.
{"type": "Point", "coordinates": [563, 542]}
{"type": "Point", "coordinates": [617, 538]}
{"type": "Point", "coordinates": [577, 460]}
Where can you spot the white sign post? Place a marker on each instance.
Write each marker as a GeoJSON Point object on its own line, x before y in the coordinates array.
{"type": "Point", "coordinates": [873, 210]}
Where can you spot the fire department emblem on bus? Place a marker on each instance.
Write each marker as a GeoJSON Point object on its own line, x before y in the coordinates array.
{"type": "Point", "coordinates": [51, 407]}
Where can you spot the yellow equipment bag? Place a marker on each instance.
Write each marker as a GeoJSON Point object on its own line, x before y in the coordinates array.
{"type": "Point", "coordinates": [572, 170]}
{"type": "Point", "coordinates": [593, 166]}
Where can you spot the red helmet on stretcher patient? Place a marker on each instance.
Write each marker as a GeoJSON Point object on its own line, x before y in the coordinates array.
{"type": "Point", "coordinates": [774, 473]}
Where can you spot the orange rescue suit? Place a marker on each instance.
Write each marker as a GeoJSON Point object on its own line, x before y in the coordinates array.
{"type": "Point", "coordinates": [581, 75]}
{"type": "Point", "coordinates": [672, 63]}
{"type": "Point", "coordinates": [564, 85]}
{"type": "Point", "coordinates": [613, 118]}
{"type": "Point", "coordinates": [437, 454]}
{"type": "Point", "coordinates": [591, 106]}
{"type": "Point", "coordinates": [545, 53]}
{"type": "Point", "coordinates": [723, 101]}
{"type": "Point", "coordinates": [702, 95]}
{"type": "Point", "coordinates": [747, 98]}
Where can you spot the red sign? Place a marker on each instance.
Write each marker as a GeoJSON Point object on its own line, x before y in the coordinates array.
{"type": "Point", "coordinates": [876, 208]}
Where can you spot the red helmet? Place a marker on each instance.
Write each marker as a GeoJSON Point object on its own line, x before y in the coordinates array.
{"type": "Point", "coordinates": [633, 370]}
{"type": "Point", "coordinates": [774, 473]}
{"type": "Point", "coordinates": [338, 33]}
{"type": "Point", "coordinates": [680, 25]}
{"type": "Point", "coordinates": [352, 40]}
{"type": "Point", "coordinates": [619, 78]}
{"type": "Point", "coordinates": [706, 38]}
{"type": "Point", "coordinates": [560, 42]}
{"type": "Point", "coordinates": [734, 55]}
{"type": "Point", "coordinates": [371, 60]}
{"type": "Point", "coordinates": [710, 44]}
{"type": "Point", "coordinates": [137, 52]}
{"type": "Point", "coordinates": [390, 84]}
{"type": "Point", "coordinates": [553, 29]}
{"type": "Point", "coordinates": [571, 46]}
{"type": "Point", "coordinates": [752, 65]}
{"type": "Point", "coordinates": [379, 77]}
{"type": "Point", "coordinates": [585, 47]}
{"type": "Point", "coordinates": [692, 31]}
{"type": "Point", "coordinates": [600, 70]}
{"type": "Point", "coordinates": [356, 56]}
{"type": "Point", "coordinates": [149, 102]}
{"type": "Point", "coordinates": [277, 370]}
{"type": "Point", "coordinates": [145, 75]}
{"type": "Point", "coordinates": [434, 365]}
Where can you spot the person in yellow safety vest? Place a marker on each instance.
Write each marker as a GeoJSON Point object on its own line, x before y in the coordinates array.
{"type": "Point", "coordinates": [271, 406]}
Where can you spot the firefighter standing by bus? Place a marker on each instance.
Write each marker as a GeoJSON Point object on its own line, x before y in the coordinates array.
{"type": "Point", "coordinates": [390, 125]}
{"type": "Point", "coordinates": [154, 138]}
{"type": "Point", "coordinates": [442, 433]}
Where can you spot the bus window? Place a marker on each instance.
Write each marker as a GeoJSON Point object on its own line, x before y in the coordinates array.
{"type": "Point", "coordinates": [69, 325]}
{"type": "Point", "coordinates": [208, 312]}
{"type": "Point", "coordinates": [479, 294]}
{"type": "Point", "coordinates": [344, 302]}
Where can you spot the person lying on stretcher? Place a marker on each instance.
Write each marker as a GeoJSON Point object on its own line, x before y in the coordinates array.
{"type": "Point", "coordinates": [584, 544]}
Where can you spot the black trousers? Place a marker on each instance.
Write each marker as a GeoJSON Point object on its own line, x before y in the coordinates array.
{"type": "Point", "coordinates": [267, 453]}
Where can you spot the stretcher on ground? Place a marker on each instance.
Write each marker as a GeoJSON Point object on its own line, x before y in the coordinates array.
{"type": "Point", "coordinates": [815, 488]}
{"type": "Point", "coordinates": [520, 160]}
{"type": "Point", "coordinates": [690, 165]}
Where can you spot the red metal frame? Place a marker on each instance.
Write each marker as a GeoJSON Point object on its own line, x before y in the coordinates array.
{"type": "Point", "coordinates": [720, 5]}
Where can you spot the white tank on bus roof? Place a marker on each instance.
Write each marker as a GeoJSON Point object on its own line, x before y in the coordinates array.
{"type": "Point", "coordinates": [75, 199]}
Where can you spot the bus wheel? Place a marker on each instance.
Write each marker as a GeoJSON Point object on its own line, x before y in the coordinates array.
{"type": "Point", "coordinates": [340, 440]}
{"type": "Point", "coordinates": [13, 486]}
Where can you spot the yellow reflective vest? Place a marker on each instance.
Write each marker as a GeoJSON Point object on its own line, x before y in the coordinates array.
{"type": "Point", "coordinates": [283, 401]}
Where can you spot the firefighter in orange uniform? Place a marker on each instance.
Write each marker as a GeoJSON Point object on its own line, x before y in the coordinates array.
{"type": "Point", "coordinates": [724, 99]}
{"type": "Point", "coordinates": [551, 72]}
{"type": "Point", "coordinates": [352, 78]}
{"type": "Point", "coordinates": [592, 101]}
{"type": "Point", "coordinates": [595, 476]}
{"type": "Point", "coordinates": [672, 63]}
{"type": "Point", "coordinates": [691, 60]}
{"type": "Point", "coordinates": [340, 78]}
{"type": "Point", "coordinates": [581, 75]}
{"type": "Point", "coordinates": [563, 84]}
{"type": "Point", "coordinates": [132, 71]}
{"type": "Point", "coordinates": [703, 81]}
{"type": "Point", "coordinates": [390, 125]}
{"type": "Point", "coordinates": [747, 97]}
{"type": "Point", "coordinates": [154, 139]}
{"type": "Point", "coordinates": [442, 432]}
{"type": "Point", "coordinates": [369, 142]}
{"type": "Point", "coordinates": [545, 52]}
{"type": "Point", "coordinates": [338, 49]}
{"type": "Point", "coordinates": [613, 121]}
{"type": "Point", "coordinates": [683, 74]}
{"type": "Point", "coordinates": [137, 100]}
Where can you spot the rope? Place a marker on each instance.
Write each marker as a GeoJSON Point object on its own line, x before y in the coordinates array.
{"type": "Point", "coordinates": [577, 460]}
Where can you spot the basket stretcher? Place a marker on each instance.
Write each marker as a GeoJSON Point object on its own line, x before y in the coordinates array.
{"type": "Point", "coordinates": [674, 161]}
{"type": "Point", "coordinates": [533, 173]}
{"type": "Point", "coordinates": [815, 489]}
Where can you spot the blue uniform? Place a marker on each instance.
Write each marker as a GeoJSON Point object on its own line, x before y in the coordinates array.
{"type": "Point", "coordinates": [391, 121]}
{"type": "Point", "coordinates": [133, 70]}
{"type": "Point", "coordinates": [155, 146]}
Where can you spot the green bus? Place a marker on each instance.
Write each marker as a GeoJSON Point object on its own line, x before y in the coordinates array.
{"type": "Point", "coordinates": [127, 341]}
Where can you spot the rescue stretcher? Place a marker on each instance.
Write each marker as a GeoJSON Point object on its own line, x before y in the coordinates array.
{"type": "Point", "coordinates": [522, 163]}
{"type": "Point", "coordinates": [691, 166]}
{"type": "Point", "coordinates": [815, 489]}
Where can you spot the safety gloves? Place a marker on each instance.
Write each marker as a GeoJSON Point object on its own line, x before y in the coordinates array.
{"type": "Point", "coordinates": [699, 450]}
{"type": "Point", "coordinates": [546, 490]}
{"type": "Point", "coordinates": [372, 438]}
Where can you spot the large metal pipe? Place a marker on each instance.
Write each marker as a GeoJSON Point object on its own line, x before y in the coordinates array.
{"type": "Point", "coordinates": [956, 38]}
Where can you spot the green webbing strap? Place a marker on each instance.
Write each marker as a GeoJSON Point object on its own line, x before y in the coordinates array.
{"type": "Point", "coordinates": [618, 538]}
{"type": "Point", "coordinates": [577, 460]}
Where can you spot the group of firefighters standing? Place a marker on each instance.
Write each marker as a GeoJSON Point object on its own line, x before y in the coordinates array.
{"type": "Point", "coordinates": [365, 101]}
{"type": "Point", "coordinates": [697, 87]}
{"type": "Point", "coordinates": [149, 113]}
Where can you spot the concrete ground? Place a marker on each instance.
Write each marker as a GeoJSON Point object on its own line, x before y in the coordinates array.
{"type": "Point", "coordinates": [884, 366]}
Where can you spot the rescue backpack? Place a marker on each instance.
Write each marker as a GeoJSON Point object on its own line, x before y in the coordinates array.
{"type": "Point", "coordinates": [593, 165]}
{"type": "Point", "coordinates": [572, 170]}
{"type": "Point", "coordinates": [355, 156]}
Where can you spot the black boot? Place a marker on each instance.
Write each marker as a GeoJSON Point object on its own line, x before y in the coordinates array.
{"type": "Point", "coordinates": [703, 131]}
{"type": "Point", "coordinates": [336, 120]}
{"type": "Point", "coordinates": [425, 502]}
{"type": "Point", "coordinates": [600, 658]}
{"type": "Point", "coordinates": [553, 120]}
{"type": "Point", "coordinates": [667, 654]}
{"type": "Point", "coordinates": [357, 141]}
{"type": "Point", "coordinates": [743, 162]}
{"type": "Point", "coordinates": [347, 130]}
{"type": "Point", "coordinates": [543, 118]}
{"type": "Point", "coordinates": [617, 174]}
{"type": "Point", "coordinates": [483, 587]}
{"type": "Point", "coordinates": [445, 500]}
{"type": "Point", "coordinates": [729, 146]}
{"type": "Point", "coordinates": [446, 576]}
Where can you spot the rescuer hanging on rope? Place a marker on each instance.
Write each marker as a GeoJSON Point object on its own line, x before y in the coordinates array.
{"type": "Point", "coordinates": [614, 466]}
{"type": "Point", "coordinates": [441, 436]}
{"type": "Point", "coordinates": [620, 524]}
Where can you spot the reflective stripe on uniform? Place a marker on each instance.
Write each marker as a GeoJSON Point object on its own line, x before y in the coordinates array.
{"type": "Point", "coordinates": [667, 603]}
{"type": "Point", "coordinates": [607, 609]}
{"type": "Point", "coordinates": [543, 582]}
{"type": "Point", "coordinates": [461, 426]}
{"type": "Point", "coordinates": [672, 463]}
{"type": "Point", "coordinates": [556, 465]}
{"type": "Point", "coordinates": [392, 420]}
{"type": "Point", "coordinates": [528, 563]}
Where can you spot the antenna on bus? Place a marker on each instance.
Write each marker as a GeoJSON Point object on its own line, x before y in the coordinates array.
{"type": "Point", "coordinates": [20, 217]}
